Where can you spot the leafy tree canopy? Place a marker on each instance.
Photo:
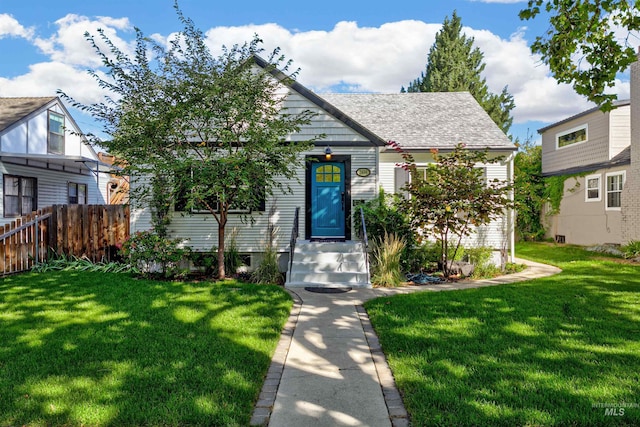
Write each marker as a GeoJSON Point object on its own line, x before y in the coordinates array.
{"type": "Point", "coordinates": [454, 65]}
{"type": "Point", "coordinates": [586, 44]}
{"type": "Point", "coordinates": [207, 130]}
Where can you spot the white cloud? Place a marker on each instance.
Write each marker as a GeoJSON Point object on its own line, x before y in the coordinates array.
{"type": "Point", "coordinates": [366, 59]}
{"type": "Point", "coordinates": [45, 79]}
{"type": "Point", "coordinates": [362, 59]}
{"type": "Point", "coordinates": [68, 44]}
{"type": "Point", "coordinates": [10, 27]}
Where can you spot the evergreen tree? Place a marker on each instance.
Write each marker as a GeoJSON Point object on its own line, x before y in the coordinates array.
{"type": "Point", "coordinates": [454, 65]}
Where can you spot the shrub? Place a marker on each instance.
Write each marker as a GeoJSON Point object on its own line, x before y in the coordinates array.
{"type": "Point", "coordinates": [387, 253]}
{"type": "Point", "coordinates": [206, 260]}
{"type": "Point", "coordinates": [480, 257]}
{"type": "Point", "coordinates": [423, 256]}
{"type": "Point", "coordinates": [512, 267]}
{"type": "Point", "coordinates": [151, 254]}
{"type": "Point", "coordinates": [631, 249]}
{"type": "Point", "coordinates": [382, 216]}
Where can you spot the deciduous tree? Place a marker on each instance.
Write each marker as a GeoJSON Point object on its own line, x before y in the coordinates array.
{"type": "Point", "coordinates": [586, 44]}
{"type": "Point", "coordinates": [208, 130]}
{"type": "Point", "coordinates": [450, 198]}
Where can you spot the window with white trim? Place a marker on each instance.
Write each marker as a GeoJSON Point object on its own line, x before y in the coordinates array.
{"type": "Point", "coordinates": [56, 133]}
{"type": "Point", "coordinates": [19, 196]}
{"type": "Point", "coordinates": [592, 190]}
{"type": "Point", "coordinates": [402, 177]}
{"type": "Point", "coordinates": [572, 136]}
{"type": "Point", "coordinates": [615, 183]}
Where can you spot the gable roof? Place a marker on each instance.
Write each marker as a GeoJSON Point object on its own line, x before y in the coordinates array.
{"type": "Point", "coordinates": [424, 120]}
{"type": "Point", "coordinates": [14, 109]}
{"type": "Point", "coordinates": [616, 104]}
{"type": "Point", "coordinates": [419, 121]}
{"type": "Point", "coordinates": [320, 102]}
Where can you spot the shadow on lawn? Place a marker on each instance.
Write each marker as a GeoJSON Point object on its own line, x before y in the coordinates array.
{"type": "Point", "coordinates": [537, 353]}
{"type": "Point", "coordinates": [92, 349]}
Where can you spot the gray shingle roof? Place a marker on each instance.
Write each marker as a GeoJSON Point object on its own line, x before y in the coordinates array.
{"type": "Point", "coordinates": [14, 109]}
{"type": "Point", "coordinates": [423, 120]}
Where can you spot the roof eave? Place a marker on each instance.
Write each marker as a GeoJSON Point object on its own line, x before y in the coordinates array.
{"type": "Point", "coordinates": [323, 104]}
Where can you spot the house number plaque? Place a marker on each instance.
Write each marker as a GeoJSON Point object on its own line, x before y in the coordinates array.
{"type": "Point", "coordinates": [363, 172]}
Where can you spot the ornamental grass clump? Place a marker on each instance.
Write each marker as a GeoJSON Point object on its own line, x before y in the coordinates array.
{"type": "Point", "coordinates": [387, 254]}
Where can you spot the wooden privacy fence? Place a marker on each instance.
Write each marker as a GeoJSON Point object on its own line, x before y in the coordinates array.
{"type": "Point", "coordinates": [91, 231]}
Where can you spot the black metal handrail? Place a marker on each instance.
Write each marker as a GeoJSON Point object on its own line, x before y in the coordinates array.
{"type": "Point", "coordinates": [365, 241]}
{"type": "Point", "coordinates": [294, 237]}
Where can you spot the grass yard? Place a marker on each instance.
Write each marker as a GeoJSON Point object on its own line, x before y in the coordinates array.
{"type": "Point", "coordinates": [104, 349]}
{"type": "Point", "coordinates": [552, 351]}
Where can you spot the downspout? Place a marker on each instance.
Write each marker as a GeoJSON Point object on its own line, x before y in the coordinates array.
{"type": "Point", "coordinates": [511, 213]}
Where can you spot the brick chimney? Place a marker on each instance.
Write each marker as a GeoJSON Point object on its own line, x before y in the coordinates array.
{"type": "Point", "coordinates": [631, 191]}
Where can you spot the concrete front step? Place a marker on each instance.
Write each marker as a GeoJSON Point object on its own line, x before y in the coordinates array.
{"type": "Point", "coordinates": [348, 246]}
{"type": "Point", "coordinates": [327, 285]}
{"type": "Point", "coordinates": [327, 257]}
{"type": "Point", "coordinates": [328, 264]}
{"type": "Point", "coordinates": [322, 267]}
{"type": "Point", "coordinates": [329, 277]}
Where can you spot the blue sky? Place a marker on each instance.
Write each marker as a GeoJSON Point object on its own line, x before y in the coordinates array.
{"type": "Point", "coordinates": [339, 45]}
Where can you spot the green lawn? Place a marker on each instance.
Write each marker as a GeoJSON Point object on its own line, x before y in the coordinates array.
{"type": "Point", "coordinates": [104, 349]}
{"type": "Point", "coordinates": [545, 352]}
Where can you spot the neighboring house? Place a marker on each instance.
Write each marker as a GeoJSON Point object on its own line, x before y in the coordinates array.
{"type": "Point", "coordinates": [592, 152]}
{"type": "Point", "coordinates": [44, 160]}
{"type": "Point", "coordinates": [118, 186]}
{"type": "Point", "coordinates": [357, 128]}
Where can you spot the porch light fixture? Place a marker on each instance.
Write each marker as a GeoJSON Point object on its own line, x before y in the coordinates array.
{"type": "Point", "coordinates": [327, 153]}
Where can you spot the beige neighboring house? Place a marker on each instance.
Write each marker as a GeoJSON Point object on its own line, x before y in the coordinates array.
{"type": "Point", "coordinates": [600, 154]}
{"type": "Point", "coordinates": [592, 151]}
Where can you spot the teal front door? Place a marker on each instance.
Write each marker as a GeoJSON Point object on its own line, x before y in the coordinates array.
{"type": "Point", "coordinates": [327, 200]}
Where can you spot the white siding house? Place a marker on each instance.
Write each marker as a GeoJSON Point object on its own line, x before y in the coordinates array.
{"type": "Point", "coordinates": [44, 160]}
{"type": "Point", "coordinates": [356, 128]}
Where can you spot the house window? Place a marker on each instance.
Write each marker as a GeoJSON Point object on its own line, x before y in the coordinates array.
{"type": "Point", "coordinates": [181, 202]}
{"type": "Point", "coordinates": [592, 192]}
{"type": "Point", "coordinates": [19, 195]}
{"type": "Point", "coordinates": [77, 193]}
{"type": "Point", "coordinates": [56, 133]}
{"type": "Point", "coordinates": [615, 182]}
{"type": "Point", "coordinates": [328, 173]}
{"type": "Point", "coordinates": [402, 177]}
{"type": "Point", "coordinates": [572, 136]}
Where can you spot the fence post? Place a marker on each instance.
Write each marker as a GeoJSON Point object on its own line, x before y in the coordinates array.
{"type": "Point", "coordinates": [37, 232]}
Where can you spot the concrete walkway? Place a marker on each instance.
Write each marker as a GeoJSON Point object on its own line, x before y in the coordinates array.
{"type": "Point", "coordinates": [329, 369]}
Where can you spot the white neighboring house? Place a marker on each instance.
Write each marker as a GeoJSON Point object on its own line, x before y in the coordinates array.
{"type": "Point", "coordinates": [357, 128]}
{"type": "Point", "coordinates": [43, 159]}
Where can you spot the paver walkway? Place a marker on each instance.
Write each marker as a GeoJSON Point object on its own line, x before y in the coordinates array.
{"type": "Point", "coordinates": [329, 369]}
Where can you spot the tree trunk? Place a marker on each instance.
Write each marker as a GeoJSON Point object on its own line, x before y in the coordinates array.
{"type": "Point", "coordinates": [221, 227]}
